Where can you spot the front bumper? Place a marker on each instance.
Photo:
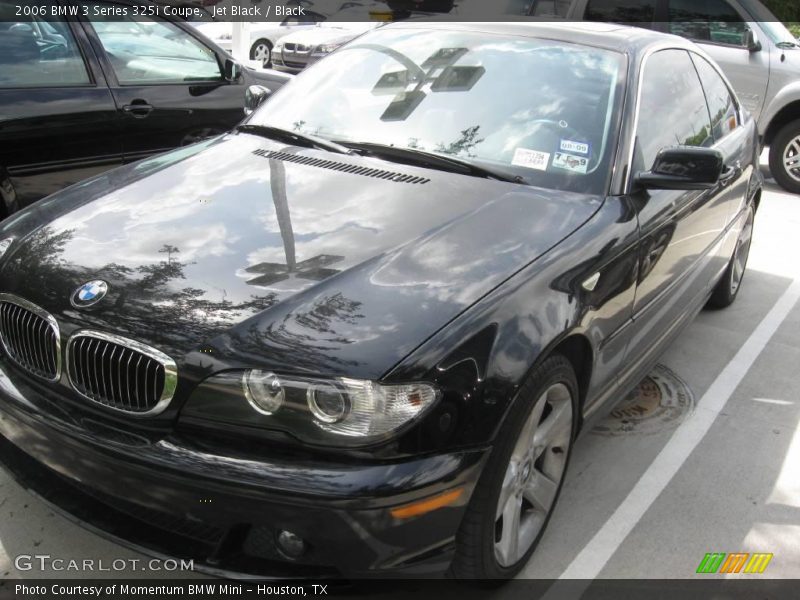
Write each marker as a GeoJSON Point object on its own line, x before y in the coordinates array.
{"type": "Point", "coordinates": [293, 64]}
{"type": "Point", "coordinates": [168, 497]}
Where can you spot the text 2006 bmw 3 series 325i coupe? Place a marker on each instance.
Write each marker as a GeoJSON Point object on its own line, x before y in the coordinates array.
{"type": "Point", "coordinates": [359, 334]}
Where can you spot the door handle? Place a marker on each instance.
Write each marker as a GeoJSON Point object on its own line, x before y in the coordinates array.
{"type": "Point", "coordinates": [138, 109]}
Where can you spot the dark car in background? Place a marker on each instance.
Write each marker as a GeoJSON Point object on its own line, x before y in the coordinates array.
{"type": "Point", "coordinates": [359, 334]}
{"type": "Point", "coordinates": [84, 94]}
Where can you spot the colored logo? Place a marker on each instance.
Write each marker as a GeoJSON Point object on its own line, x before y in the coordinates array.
{"type": "Point", "coordinates": [89, 293]}
{"type": "Point", "coordinates": [735, 562]}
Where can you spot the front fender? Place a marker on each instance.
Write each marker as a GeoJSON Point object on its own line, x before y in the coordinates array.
{"type": "Point", "coordinates": [788, 94]}
{"type": "Point", "coordinates": [482, 358]}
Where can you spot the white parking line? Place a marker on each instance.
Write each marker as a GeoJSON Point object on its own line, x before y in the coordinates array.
{"type": "Point", "coordinates": [594, 556]}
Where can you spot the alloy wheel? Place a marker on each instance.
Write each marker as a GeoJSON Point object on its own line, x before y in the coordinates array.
{"type": "Point", "coordinates": [533, 475]}
{"type": "Point", "coordinates": [262, 53]}
{"type": "Point", "coordinates": [741, 253]}
{"type": "Point", "coordinates": [791, 159]}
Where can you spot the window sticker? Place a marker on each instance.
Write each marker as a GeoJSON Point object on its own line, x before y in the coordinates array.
{"type": "Point", "coordinates": [570, 162]}
{"type": "Point", "coordinates": [572, 147]}
{"type": "Point", "coordinates": [532, 159]}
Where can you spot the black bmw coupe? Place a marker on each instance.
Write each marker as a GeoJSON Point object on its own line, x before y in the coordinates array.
{"type": "Point", "coordinates": [358, 335]}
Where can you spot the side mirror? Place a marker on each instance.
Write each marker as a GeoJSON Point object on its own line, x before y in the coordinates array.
{"type": "Point", "coordinates": [751, 41]}
{"type": "Point", "coordinates": [683, 168]}
{"type": "Point", "coordinates": [255, 97]}
{"type": "Point", "coordinates": [233, 70]}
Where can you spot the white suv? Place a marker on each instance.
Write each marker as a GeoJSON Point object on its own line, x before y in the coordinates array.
{"type": "Point", "coordinates": [757, 53]}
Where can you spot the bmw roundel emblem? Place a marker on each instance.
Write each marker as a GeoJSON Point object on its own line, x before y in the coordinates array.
{"type": "Point", "coordinates": [89, 293]}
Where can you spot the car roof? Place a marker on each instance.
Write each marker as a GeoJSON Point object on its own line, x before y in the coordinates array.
{"type": "Point", "coordinates": [618, 38]}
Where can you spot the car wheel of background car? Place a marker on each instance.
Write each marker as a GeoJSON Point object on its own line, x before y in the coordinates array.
{"type": "Point", "coordinates": [198, 135]}
{"type": "Point", "coordinates": [515, 496]}
{"type": "Point", "coordinates": [784, 157]}
{"type": "Point", "coordinates": [729, 285]}
{"type": "Point", "coordinates": [262, 51]}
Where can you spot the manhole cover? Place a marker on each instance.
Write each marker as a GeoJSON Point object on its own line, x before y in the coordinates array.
{"type": "Point", "coordinates": [660, 401]}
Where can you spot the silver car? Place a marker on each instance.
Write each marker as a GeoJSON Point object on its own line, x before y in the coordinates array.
{"type": "Point", "coordinates": [299, 50]}
{"type": "Point", "coordinates": [757, 53]}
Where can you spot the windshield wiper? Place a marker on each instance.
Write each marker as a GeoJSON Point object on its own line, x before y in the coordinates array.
{"type": "Point", "coordinates": [293, 137]}
{"type": "Point", "coordinates": [430, 160]}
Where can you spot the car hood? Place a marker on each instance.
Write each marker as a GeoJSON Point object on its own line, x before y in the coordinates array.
{"type": "Point", "coordinates": [275, 255]}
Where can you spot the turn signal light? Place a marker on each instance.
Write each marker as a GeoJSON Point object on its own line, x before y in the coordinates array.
{"type": "Point", "coordinates": [428, 505]}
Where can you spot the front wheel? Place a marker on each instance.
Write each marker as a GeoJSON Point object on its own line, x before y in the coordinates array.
{"type": "Point", "coordinates": [784, 157]}
{"type": "Point", "coordinates": [514, 498]}
{"type": "Point", "coordinates": [262, 52]}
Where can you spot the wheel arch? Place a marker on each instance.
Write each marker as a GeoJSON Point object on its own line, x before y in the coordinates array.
{"type": "Point", "coordinates": [790, 112]}
{"type": "Point", "coordinates": [577, 349]}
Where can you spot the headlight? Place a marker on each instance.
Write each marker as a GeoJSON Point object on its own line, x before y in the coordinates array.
{"type": "Point", "coordinates": [327, 48]}
{"type": "Point", "coordinates": [263, 391]}
{"type": "Point", "coordinates": [327, 412]}
{"type": "Point", "coordinates": [327, 404]}
{"type": "Point", "coordinates": [5, 245]}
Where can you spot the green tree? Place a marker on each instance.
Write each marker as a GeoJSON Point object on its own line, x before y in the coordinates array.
{"type": "Point", "coordinates": [787, 11]}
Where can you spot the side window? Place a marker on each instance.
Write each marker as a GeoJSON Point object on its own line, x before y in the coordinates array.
{"type": "Point", "coordinates": [721, 105]}
{"type": "Point", "coordinates": [145, 51]}
{"type": "Point", "coordinates": [37, 53]}
{"type": "Point", "coordinates": [550, 8]}
{"type": "Point", "coordinates": [713, 21]}
{"type": "Point", "coordinates": [621, 11]}
{"type": "Point", "coordinates": [672, 109]}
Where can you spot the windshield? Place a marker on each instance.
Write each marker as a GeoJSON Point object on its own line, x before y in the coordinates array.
{"type": "Point", "coordinates": [769, 22]}
{"type": "Point", "coordinates": [777, 32]}
{"type": "Point", "coordinates": [542, 110]}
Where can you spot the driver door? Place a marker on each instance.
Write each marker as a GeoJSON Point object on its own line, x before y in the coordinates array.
{"type": "Point", "coordinates": [168, 85]}
{"type": "Point", "coordinates": [679, 229]}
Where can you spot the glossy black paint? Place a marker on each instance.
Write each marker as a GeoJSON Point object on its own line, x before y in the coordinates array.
{"type": "Point", "coordinates": [685, 168]}
{"type": "Point", "coordinates": [51, 137]}
{"type": "Point", "coordinates": [226, 259]}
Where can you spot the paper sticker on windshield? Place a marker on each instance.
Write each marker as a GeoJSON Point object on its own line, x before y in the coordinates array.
{"type": "Point", "coordinates": [532, 159]}
{"type": "Point", "coordinates": [584, 148]}
{"type": "Point", "coordinates": [570, 162]}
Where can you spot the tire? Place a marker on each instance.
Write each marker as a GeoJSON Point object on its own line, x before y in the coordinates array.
{"type": "Point", "coordinates": [262, 50]}
{"type": "Point", "coordinates": [484, 547]}
{"type": "Point", "coordinates": [786, 147]}
{"type": "Point", "coordinates": [727, 288]}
